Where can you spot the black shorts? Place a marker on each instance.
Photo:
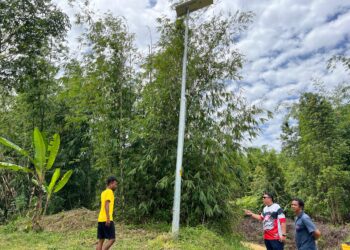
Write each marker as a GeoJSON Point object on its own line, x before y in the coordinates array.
{"type": "Point", "coordinates": [105, 232]}
{"type": "Point", "coordinates": [274, 245]}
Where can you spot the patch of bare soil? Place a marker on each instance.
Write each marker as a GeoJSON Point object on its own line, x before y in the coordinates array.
{"type": "Point", "coordinates": [253, 246]}
{"type": "Point", "coordinates": [332, 236]}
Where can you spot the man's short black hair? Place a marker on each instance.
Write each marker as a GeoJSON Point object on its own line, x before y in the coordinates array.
{"type": "Point", "coordinates": [111, 179]}
{"type": "Point", "coordinates": [269, 194]}
{"type": "Point", "coordinates": [300, 202]}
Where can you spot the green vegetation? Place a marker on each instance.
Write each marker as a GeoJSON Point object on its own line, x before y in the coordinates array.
{"type": "Point", "coordinates": [314, 162]}
{"type": "Point", "coordinates": [117, 114]}
{"type": "Point", "coordinates": [81, 234]}
{"type": "Point", "coordinates": [116, 111]}
{"type": "Point", "coordinates": [195, 239]}
{"type": "Point", "coordinates": [190, 238]}
{"type": "Point", "coordinates": [209, 177]}
{"type": "Point", "coordinates": [44, 158]}
{"type": "Point", "coordinates": [347, 239]}
{"type": "Point", "coordinates": [322, 155]}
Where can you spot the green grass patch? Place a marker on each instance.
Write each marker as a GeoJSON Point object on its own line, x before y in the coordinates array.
{"type": "Point", "coordinates": [347, 239]}
{"type": "Point", "coordinates": [151, 236]}
{"type": "Point", "coordinates": [76, 230]}
{"type": "Point", "coordinates": [195, 239]}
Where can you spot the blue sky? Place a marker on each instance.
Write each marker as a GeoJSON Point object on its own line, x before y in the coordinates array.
{"type": "Point", "coordinates": [286, 48]}
{"type": "Point", "coordinates": [152, 3]}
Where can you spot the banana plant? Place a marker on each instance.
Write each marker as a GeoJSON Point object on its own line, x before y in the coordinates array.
{"type": "Point", "coordinates": [43, 161]}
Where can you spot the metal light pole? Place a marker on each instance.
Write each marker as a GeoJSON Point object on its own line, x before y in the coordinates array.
{"type": "Point", "coordinates": [183, 9]}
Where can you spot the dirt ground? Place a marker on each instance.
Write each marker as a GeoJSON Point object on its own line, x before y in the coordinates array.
{"type": "Point", "coordinates": [81, 218]}
{"type": "Point", "coordinates": [253, 246]}
{"type": "Point", "coordinates": [332, 236]}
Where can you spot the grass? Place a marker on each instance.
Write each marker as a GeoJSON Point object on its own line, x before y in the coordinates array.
{"type": "Point", "coordinates": [46, 240]}
{"type": "Point", "coordinates": [347, 239]}
{"type": "Point", "coordinates": [59, 234]}
{"type": "Point", "coordinates": [195, 239]}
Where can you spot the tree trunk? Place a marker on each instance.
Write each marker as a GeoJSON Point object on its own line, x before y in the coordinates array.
{"type": "Point", "coordinates": [46, 204]}
{"type": "Point", "coordinates": [37, 213]}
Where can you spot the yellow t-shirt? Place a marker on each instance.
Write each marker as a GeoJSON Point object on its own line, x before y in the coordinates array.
{"type": "Point", "coordinates": [106, 195]}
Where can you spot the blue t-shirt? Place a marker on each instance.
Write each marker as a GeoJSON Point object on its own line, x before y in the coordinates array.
{"type": "Point", "coordinates": [304, 228]}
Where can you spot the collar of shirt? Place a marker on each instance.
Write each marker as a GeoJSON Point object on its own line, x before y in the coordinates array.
{"type": "Point", "coordinates": [299, 216]}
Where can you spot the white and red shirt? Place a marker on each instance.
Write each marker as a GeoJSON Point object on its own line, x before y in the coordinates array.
{"type": "Point", "coordinates": [272, 217]}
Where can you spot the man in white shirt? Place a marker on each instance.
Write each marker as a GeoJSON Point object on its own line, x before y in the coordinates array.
{"type": "Point", "coordinates": [274, 223]}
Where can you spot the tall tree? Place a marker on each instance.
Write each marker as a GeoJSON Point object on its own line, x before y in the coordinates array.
{"type": "Point", "coordinates": [99, 93]}
{"type": "Point", "coordinates": [217, 121]}
{"type": "Point", "coordinates": [31, 36]}
{"type": "Point", "coordinates": [27, 28]}
{"type": "Point", "coordinates": [322, 153]}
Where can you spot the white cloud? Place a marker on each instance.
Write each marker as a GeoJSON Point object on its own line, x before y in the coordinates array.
{"type": "Point", "coordinates": [329, 34]}
{"type": "Point", "coordinates": [287, 47]}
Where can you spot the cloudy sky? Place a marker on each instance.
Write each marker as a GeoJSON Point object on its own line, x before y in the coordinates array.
{"type": "Point", "coordinates": [286, 48]}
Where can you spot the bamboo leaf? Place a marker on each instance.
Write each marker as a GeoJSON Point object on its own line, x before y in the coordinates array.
{"type": "Point", "coordinates": [54, 179]}
{"type": "Point", "coordinates": [53, 151]}
{"type": "Point", "coordinates": [63, 181]}
{"type": "Point", "coordinates": [14, 167]}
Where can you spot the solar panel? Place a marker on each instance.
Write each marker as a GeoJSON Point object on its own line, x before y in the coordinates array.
{"type": "Point", "coordinates": [192, 5]}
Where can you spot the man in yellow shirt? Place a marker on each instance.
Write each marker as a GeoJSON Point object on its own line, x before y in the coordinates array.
{"type": "Point", "coordinates": [106, 228]}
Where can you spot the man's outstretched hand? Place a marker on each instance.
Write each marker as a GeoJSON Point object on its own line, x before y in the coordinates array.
{"type": "Point", "coordinates": [248, 212]}
{"type": "Point", "coordinates": [283, 239]}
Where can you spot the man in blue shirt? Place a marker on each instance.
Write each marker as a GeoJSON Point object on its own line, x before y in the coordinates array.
{"type": "Point", "coordinates": [306, 232]}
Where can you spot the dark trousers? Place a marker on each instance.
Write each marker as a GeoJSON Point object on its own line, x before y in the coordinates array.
{"type": "Point", "coordinates": [274, 245]}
